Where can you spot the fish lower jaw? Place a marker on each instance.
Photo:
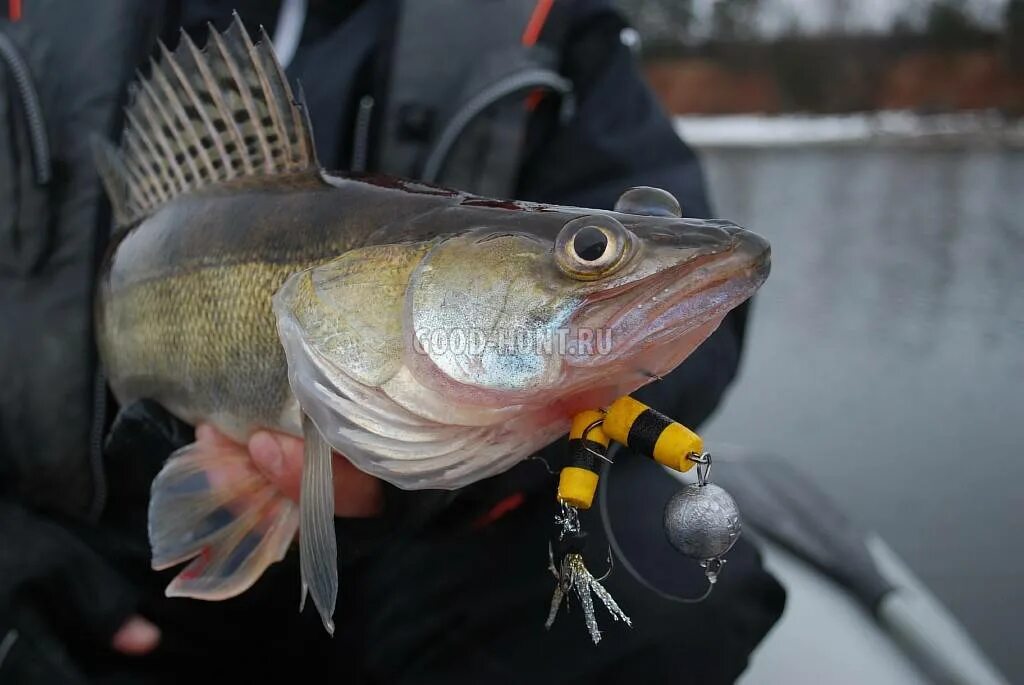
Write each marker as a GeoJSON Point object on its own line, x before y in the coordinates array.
{"type": "Point", "coordinates": [635, 348]}
{"type": "Point", "coordinates": [596, 386]}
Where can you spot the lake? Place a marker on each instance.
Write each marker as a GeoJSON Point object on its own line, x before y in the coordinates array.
{"type": "Point", "coordinates": [885, 354]}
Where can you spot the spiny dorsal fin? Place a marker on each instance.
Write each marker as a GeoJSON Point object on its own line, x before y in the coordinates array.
{"type": "Point", "coordinates": [206, 116]}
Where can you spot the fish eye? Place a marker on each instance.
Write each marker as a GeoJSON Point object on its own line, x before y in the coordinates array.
{"type": "Point", "coordinates": [591, 247]}
{"type": "Point", "coordinates": [589, 243]}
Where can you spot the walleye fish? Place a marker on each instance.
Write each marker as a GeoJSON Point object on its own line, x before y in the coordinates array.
{"type": "Point", "coordinates": [432, 337]}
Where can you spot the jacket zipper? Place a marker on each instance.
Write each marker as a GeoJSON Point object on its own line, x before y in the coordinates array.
{"type": "Point", "coordinates": [38, 139]}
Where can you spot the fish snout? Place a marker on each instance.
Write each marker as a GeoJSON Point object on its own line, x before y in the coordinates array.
{"type": "Point", "coordinates": [754, 250]}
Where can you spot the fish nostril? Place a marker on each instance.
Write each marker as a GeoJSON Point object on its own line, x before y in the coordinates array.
{"type": "Point", "coordinates": [648, 201]}
{"type": "Point", "coordinates": [661, 236]}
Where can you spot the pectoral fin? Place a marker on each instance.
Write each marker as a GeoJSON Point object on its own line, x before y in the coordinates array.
{"type": "Point", "coordinates": [318, 548]}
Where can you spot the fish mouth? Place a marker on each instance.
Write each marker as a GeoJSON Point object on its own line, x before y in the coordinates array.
{"type": "Point", "coordinates": [671, 305]}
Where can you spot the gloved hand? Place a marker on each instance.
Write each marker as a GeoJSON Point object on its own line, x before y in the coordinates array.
{"type": "Point", "coordinates": [64, 597]}
{"type": "Point", "coordinates": [58, 597]}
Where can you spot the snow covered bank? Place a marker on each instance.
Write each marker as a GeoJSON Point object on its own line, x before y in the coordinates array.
{"type": "Point", "coordinates": [892, 127]}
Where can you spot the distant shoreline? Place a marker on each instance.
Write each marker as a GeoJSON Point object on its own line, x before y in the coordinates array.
{"type": "Point", "coordinates": [840, 76]}
{"type": "Point", "coordinates": [891, 127]}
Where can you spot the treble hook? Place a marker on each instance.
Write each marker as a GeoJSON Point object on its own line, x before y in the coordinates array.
{"type": "Point", "coordinates": [554, 570]}
{"type": "Point", "coordinates": [611, 566]}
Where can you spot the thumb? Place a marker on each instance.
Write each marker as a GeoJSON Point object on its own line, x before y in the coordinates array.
{"type": "Point", "coordinates": [279, 458]}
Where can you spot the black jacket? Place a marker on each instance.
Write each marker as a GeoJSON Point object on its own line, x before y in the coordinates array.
{"type": "Point", "coordinates": [65, 581]}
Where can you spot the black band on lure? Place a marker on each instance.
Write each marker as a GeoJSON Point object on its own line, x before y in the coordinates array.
{"type": "Point", "coordinates": [583, 458]}
{"type": "Point", "coordinates": [645, 431]}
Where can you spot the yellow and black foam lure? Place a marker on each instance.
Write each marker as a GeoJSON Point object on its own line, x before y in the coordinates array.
{"type": "Point", "coordinates": [701, 521]}
{"type": "Point", "coordinates": [633, 424]}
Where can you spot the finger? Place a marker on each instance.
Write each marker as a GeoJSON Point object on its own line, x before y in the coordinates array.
{"type": "Point", "coordinates": [356, 494]}
{"type": "Point", "coordinates": [136, 637]}
{"type": "Point", "coordinates": [279, 458]}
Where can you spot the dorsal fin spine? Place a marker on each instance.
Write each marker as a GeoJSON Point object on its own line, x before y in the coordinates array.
{"type": "Point", "coordinates": [264, 58]}
{"type": "Point", "coordinates": [274, 107]}
{"type": "Point", "coordinates": [112, 173]}
{"type": "Point", "coordinates": [151, 107]}
{"type": "Point", "coordinates": [157, 182]}
{"type": "Point", "coordinates": [179, 124]}
{"type": "Point", "coordinates": [203, 117]}
{"type": "Point", "coordinates": [304, 128]}
{"type": "Point", "coordinates": [143, 189]}
{"type": "Point", "coordinates": [181, 82]}
{"type": "Point", "coordinates": [246, 96]}
{"type": "Point", "coordinates": [222, 109]}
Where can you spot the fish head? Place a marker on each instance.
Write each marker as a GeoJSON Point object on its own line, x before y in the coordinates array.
{"type": "Point", "coordinates": [510, 319]}
{"type": "Point", "coordinates": [573, 318]}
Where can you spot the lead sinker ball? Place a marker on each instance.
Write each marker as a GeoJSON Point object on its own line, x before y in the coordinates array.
{"type": "Point", "coordinates": [702, 521]}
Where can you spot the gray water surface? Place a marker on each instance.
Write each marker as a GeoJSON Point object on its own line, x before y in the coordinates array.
{"type": "Point", "coordinates": [886, 353]}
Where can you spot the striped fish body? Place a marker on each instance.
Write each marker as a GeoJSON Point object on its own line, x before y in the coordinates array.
{"type": "Point", "coordinates": [184, 300]}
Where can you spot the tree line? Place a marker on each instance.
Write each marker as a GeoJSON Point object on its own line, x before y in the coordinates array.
{"type": "Point", "coordinates": [945, 24]}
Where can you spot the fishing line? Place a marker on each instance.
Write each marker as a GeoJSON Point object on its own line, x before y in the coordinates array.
{"type": "Point", "coordinates": [602, 505]}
